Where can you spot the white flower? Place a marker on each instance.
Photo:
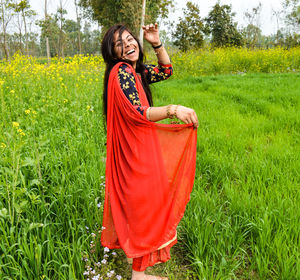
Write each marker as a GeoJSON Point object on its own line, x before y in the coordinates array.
{"type": "Point", "coordinates": [93, 234]}
{"type": "Point", "coordinates": [110, 273]}
{"type": "Point", "coordinates": [104, 261]}
{"type": "Point", "coordinates": [118, 277]}
{"type": "Point", "coordinates": [105, 256]}
{"type": "Point", "coordinates": [114, 254]}
{"type": "Point", "coordinates": [99, 205]}
{"type": "Point", "coordinates": [106, 250]}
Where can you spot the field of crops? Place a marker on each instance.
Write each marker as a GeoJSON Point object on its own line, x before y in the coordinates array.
{"type": "Point", "coordinates": [243, 219]}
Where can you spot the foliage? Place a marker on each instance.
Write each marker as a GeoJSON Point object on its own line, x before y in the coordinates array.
{"type": "Point", "coordinates": [189, 31]}
{"type": "Point", "coordinates": [292, 14]}
{"type": "Point", "coordinates": [222, 28]}
{"type": "Point", "coordinates": [52, 165]}
{"type": "Point", "coordinates": [108, 13]}
{"type": "Point", "coordinates": [252, 32]}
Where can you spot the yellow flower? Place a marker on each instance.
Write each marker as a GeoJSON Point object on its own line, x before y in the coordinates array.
{"type": "Point", "coordinates": [34, 112]}
{"type": "Point", "coordinates": [2, 145]}
{"type": "Point", "coordinates": [89, 108]}
{"type": "Point", "coordinates": [15, 124]}
{"type": "Point", "coordinates": [66, 100]}
{"type": "Point", "coordinates": [12, 91]}
{"type": "Point", "coordinates": [27, 112]}
{"type": "Point", "coordinates": [21, 132]}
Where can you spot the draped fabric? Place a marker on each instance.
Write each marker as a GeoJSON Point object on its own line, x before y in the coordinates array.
{"type": "Point", "coordinates": [150, 171]}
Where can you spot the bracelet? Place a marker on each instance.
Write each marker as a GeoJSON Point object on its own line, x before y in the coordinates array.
{"type": "Point", "coordinates": [148, 114]}
{"type": "Point", "coordinates": [169, 115]}
{"type": "Point", "coordinates": [157, 47]}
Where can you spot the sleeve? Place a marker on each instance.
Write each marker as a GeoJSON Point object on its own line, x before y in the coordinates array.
{"type": "Point", "coordinates": [158, 73]}
{"type": "Point", "coordinates": [128, 85]}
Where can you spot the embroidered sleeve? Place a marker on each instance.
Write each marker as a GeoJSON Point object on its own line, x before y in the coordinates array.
{"type": "Point", "coordinates": [128, 85]}
{"type": "Point", "coordinates": [158, 73]}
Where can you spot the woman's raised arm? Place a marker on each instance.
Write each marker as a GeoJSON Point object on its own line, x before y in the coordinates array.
{"type": "Point", "coordinates": [151, 35]}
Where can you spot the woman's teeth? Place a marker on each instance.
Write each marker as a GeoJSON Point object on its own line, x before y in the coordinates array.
{"type": "Point", "coordinates": [130, 52]}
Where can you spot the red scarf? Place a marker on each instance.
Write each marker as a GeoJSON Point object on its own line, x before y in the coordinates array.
{"type": "Point", "coordinates": [150, 172]}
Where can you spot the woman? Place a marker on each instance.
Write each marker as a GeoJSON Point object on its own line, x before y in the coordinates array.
{"type": "Point", "coordinates": [150, 167]}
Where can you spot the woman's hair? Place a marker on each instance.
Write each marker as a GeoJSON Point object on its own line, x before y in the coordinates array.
{"type": "Point", "coordinates": [110, 58]}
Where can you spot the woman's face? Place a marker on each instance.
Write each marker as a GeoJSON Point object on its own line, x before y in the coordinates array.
{"type": "Point", "coordinates": [130, 47]}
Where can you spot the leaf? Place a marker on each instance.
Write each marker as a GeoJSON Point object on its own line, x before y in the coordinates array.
{"type": "Point", "coordinates": [28, 162]}
{"type": "Point", "coordinates": [3, 213]}
{"type": "Point", "coordinates": [34, 182]}
{"type": "Point", "coordinates": [35, 225]}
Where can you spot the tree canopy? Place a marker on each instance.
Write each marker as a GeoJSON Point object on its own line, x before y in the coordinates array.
{"type": "Point", "coordinates": [110, 12]}
{"type": "Point", "coordinates": [189, 31]}
{"type": "Point", "coordinates": [222, 28]}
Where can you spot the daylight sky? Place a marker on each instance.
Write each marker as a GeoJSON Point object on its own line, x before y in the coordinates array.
{"type": "Point", "coordinates": [268, 22]}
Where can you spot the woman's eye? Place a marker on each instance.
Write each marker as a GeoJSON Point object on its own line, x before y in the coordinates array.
{"type": "Point", "coordinates": [130, 39]}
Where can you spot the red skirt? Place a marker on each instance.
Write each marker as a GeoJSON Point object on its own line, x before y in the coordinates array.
{"type": "Point", "coordinates": [158, 256]}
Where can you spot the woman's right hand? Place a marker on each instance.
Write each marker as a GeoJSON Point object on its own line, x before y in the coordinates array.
{"type": "Point", "coordinates": [185, 114]}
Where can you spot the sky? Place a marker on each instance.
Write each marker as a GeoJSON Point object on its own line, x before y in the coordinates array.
{"type": "Point", "coordinates": [268, 23]}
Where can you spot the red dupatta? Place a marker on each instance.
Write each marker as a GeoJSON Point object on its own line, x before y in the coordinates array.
{"type": "Point", "coordinates": [150, 171]}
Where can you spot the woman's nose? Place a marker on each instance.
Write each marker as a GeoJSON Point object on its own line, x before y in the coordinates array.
{"type": "Point", "coordinates": [126, 43]}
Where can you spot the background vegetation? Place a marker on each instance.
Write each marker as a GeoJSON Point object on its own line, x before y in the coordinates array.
{"type": "Point", "coordinates": [62, 37]}
{"type": "Point", "coordinates": [243, 218]}
{"type": "Point", "coordinates": [242, 221]}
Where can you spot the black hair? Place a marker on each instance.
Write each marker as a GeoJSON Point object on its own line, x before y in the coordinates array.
{"type": "Point", "coordinates": [110, 59]}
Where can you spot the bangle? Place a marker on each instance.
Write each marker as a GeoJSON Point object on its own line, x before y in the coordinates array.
{"type": "Point", "coordinates": [157, 47]}
{"type": "Point", "coordinates": [169, 115]}
{"type": "Point", "coordinates": [148, 114]}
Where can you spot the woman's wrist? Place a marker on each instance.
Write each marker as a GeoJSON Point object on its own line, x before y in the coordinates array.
{"type": "Point", "coordinates": [156, 45]}
{"type": "Point", "coordinates": [171, 111]}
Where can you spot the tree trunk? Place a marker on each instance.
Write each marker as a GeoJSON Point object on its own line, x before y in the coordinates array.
{"type": "Point", "coordinates": [4, 24]}
{"type": "Point", "coordinates": [47, 40]}
{"type": "Point", "coordinates": [26, 35]}
{"type": "Point", "coordinates": [142, 22]}
{"type": "Point", "coordinates": [78, 26]}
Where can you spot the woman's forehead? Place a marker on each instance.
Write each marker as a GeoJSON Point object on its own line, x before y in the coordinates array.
{"type": "Point", "coordinates": [124, 35]}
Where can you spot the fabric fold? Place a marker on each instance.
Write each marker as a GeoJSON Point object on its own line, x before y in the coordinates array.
{"type": "Point", "coordinates": [150, 171]}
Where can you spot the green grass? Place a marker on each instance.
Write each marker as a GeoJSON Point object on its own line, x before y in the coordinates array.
{"type": "Point", "coordinates": [242, 221]}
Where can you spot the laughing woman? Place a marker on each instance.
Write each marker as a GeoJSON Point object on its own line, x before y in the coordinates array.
{"type": "Point", "coordinates": [150, 166]}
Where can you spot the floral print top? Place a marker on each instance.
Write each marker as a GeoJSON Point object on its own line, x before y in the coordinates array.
{"type": "Point", "coordinates": [153, 74]}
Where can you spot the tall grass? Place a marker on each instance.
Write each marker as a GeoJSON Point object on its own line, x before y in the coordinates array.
{"type": "Point", "coordinates": [234, 60]}
{"type": "Point", "coordinates": [242, 221]}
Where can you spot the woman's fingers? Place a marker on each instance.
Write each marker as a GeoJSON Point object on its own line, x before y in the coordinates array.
{"type": "Point", "coordinates": [150, 26]}
{"type": "Point", "coordinates": [187, 115]}
{"type": "Point", "coordinates": [195, 120]}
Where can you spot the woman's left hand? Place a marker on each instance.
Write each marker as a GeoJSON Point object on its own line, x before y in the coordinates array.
{"type": "Point", "coordinates": [151, 34]}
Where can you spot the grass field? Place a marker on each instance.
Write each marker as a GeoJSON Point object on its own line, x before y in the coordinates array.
{"type": "Point", "coordinates": [242, 221]}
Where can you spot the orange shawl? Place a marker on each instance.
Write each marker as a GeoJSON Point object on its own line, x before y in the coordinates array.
{"type": "Point", "coordinates": [150, 171]}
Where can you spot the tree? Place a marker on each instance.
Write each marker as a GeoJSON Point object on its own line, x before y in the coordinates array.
{"type": "Point", "coordinates": [252, 31]}
{"type": "Point", "coordinates": [109, 12]}
{"type": "Point", "coordinates": [23, 8]}
{"type": "Point", "coordinates": [6, 13]}
{"type": "Point", "coordinates": [59, 18]}
{"type": "Point", "coordinates": [222, 28]}
{"type": "Point", "coordinates": [78, 18]}
{"type": "Point", "coordinates": [189, 31]}
{"type": "Point", "coordinates": [292, 15]}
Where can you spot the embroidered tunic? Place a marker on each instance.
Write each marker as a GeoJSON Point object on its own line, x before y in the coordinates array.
{"type": "Point", "coordinates": [153, 74]}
